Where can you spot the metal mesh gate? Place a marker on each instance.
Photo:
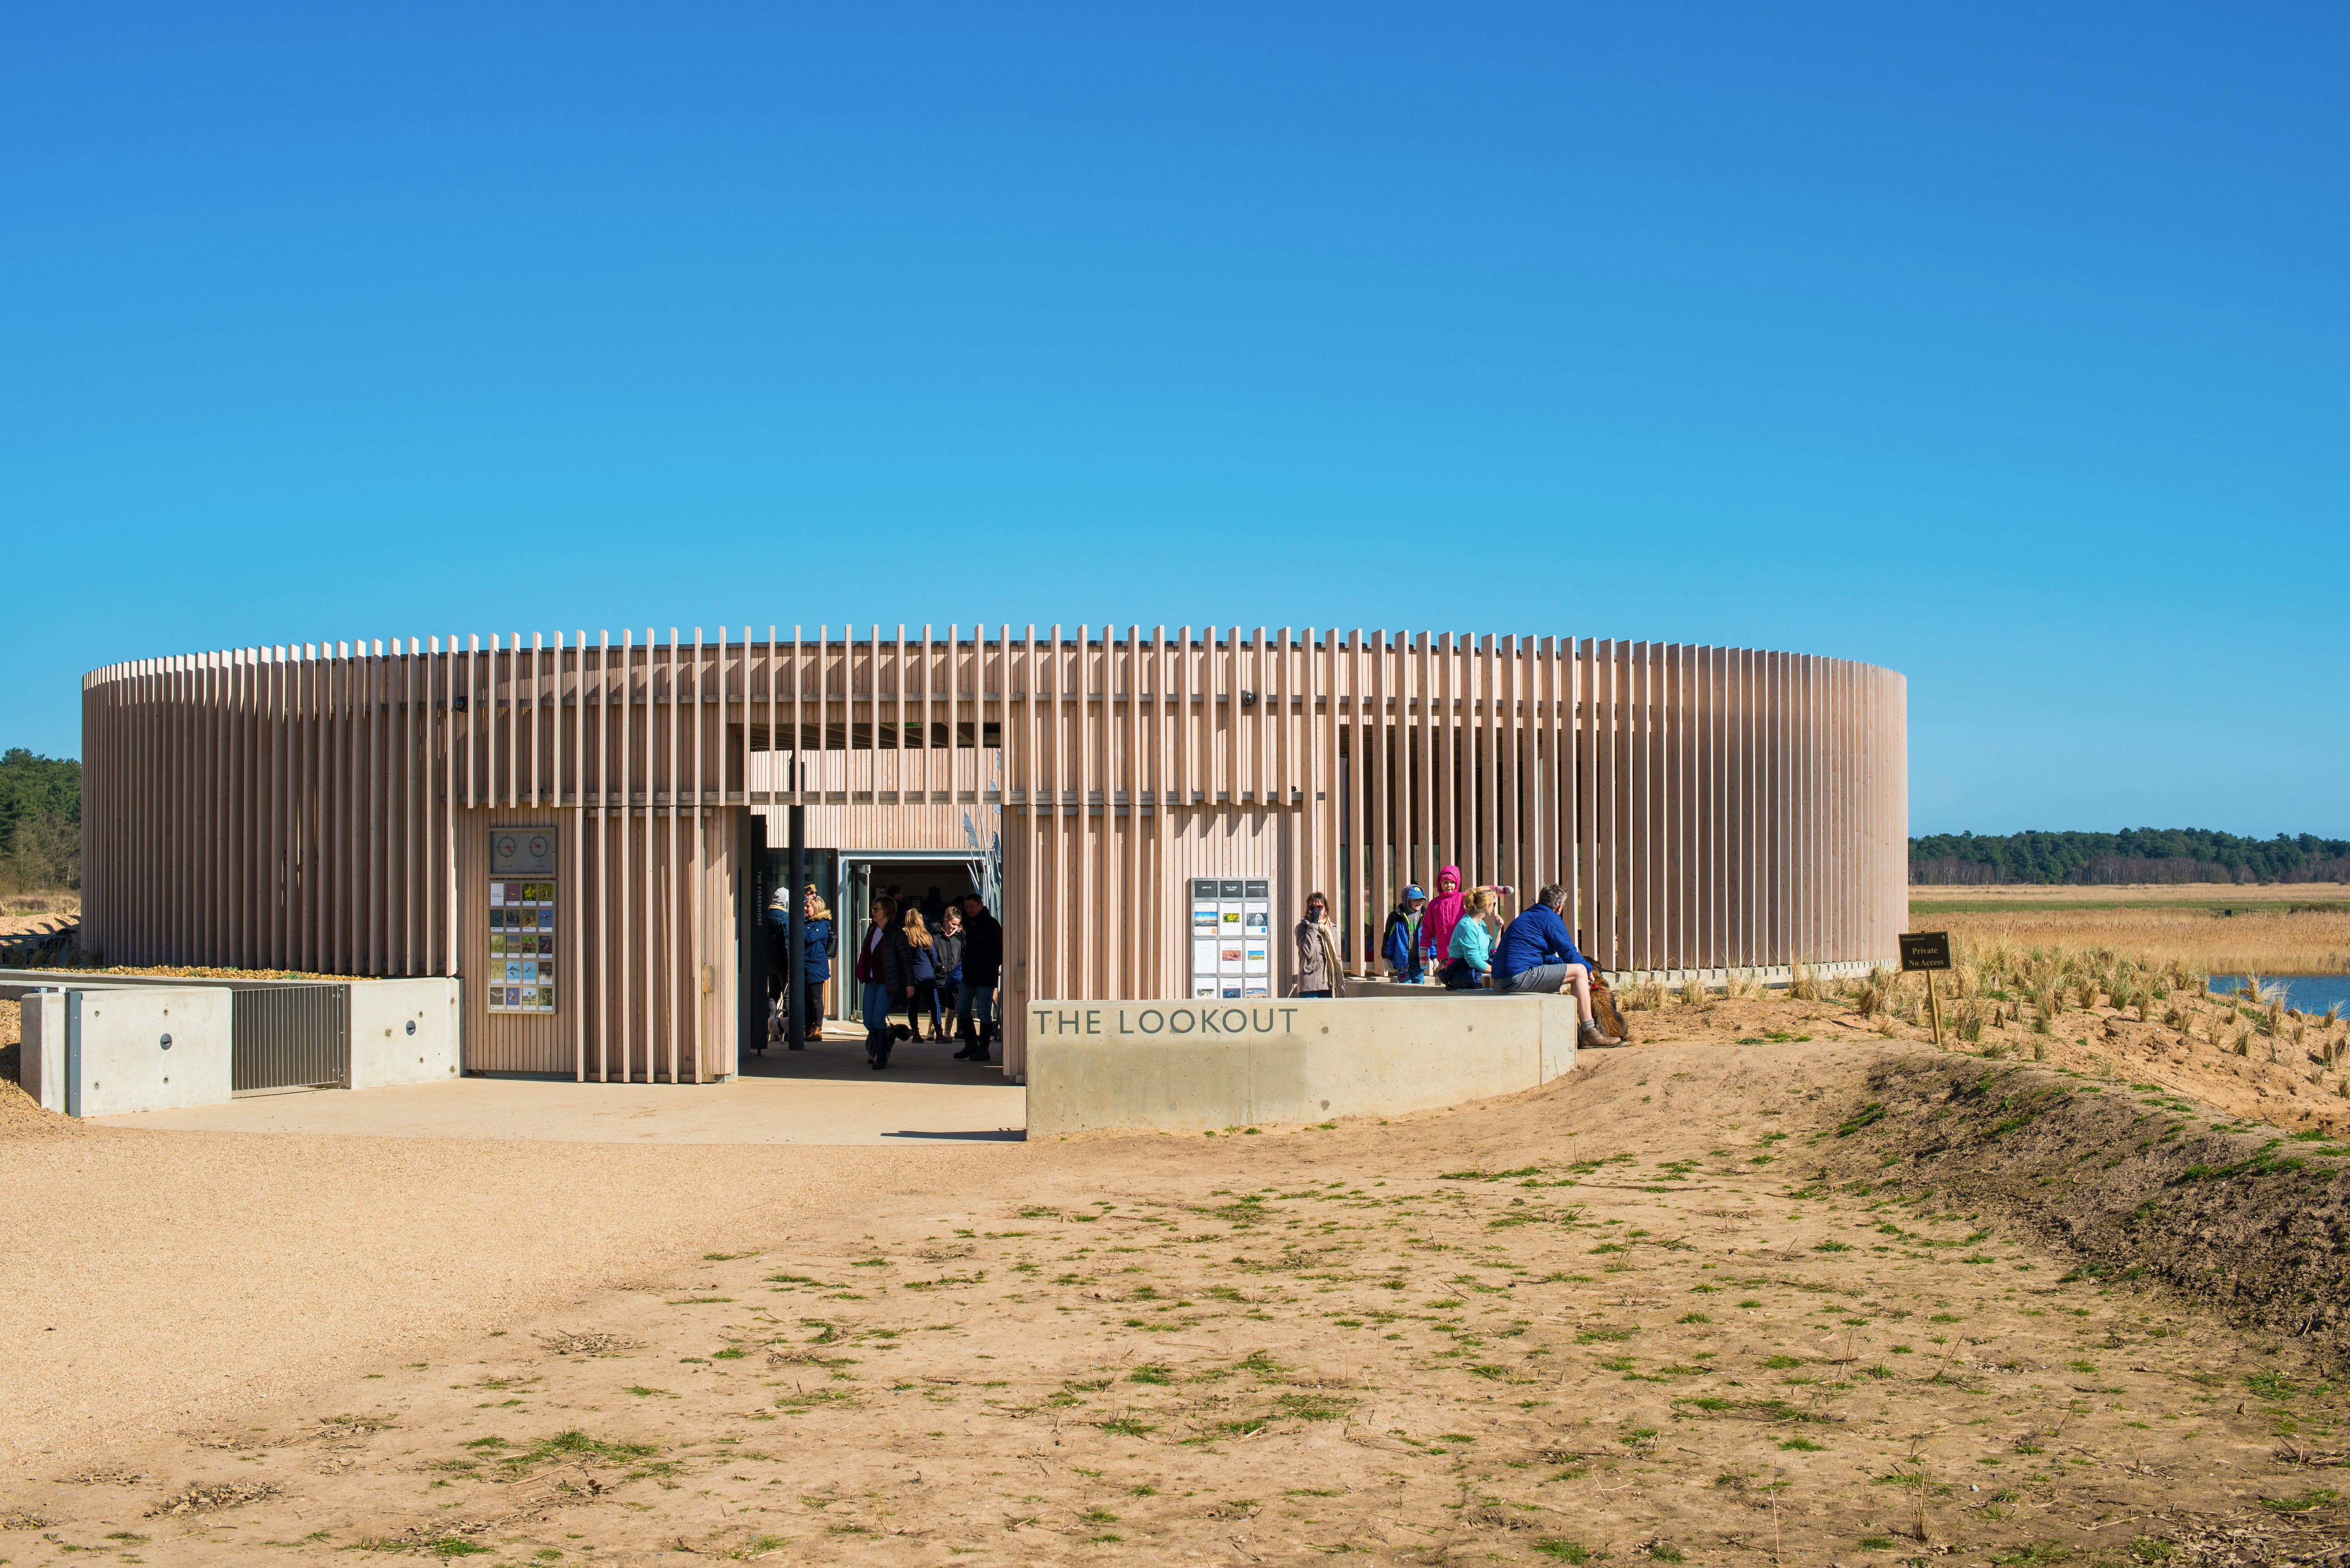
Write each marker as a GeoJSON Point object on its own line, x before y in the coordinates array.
{"type": "Point", "coordinates": [291, 1037]}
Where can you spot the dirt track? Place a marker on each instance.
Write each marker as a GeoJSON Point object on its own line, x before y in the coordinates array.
{"type": "Point", "coordinates": [1621, 1315]}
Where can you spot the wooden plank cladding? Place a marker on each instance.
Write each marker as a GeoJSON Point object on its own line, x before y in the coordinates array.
{"type": "Point", "coordinates": [326, 807]}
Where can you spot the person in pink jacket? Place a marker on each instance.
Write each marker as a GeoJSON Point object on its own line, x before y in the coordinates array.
{"type": "Point", "coordinates": [1443, 913]}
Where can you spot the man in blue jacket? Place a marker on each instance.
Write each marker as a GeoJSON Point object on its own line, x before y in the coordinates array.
{"type": "Point", "coordinates": [1537, 954]}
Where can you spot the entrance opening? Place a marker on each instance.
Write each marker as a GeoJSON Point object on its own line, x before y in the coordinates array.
{"type": "Point", "coordinates": [849, 880]}
{"type": "Point", "coordinates": [923, 879]}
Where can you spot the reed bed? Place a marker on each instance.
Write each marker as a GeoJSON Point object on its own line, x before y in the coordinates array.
{"type": "Point", "coordinates": [2008, 896]}
{"type": "Point", "coordinates": [52, 901]}
{"type": "Point", "coordinates": [2279, 940]}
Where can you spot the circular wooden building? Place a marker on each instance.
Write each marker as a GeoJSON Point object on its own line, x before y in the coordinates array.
{"type": "Point", "coordinates": [585, 831]}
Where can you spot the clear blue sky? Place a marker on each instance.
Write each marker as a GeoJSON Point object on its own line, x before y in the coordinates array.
{"type": "Point", "coordinates": [2000, 345]}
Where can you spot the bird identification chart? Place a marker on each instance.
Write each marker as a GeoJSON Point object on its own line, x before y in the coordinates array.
{"type": "Point", "coordinates": [522, 920]}
{"type": "Point", "coordinates": [1232, 937]}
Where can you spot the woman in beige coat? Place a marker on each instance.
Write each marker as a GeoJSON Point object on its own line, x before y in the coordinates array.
{"type": "Point", "coordinates": [1317, 949]}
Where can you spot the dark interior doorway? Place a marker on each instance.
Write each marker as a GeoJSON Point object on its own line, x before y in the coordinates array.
{"type": "Point", "coordinates": [864, 875]}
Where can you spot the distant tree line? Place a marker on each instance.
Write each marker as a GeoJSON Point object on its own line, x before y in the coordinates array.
{"type": "Point", "coordinates": [2132, 855]}
{"type": "Point", "coordinates": [40, 822]}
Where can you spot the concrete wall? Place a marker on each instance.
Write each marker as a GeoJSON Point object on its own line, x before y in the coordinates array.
{"type": "Point", "coordinates": [1776, 977]}
{"type": "Point", "coordinates": [41, 1057]}
{"type": "Point", "coordinates": [384, 1049]}
{"type": "Point", "coordinates": [125, 1064]}
{"type": "Point", "coordinates": [1205, 1066]}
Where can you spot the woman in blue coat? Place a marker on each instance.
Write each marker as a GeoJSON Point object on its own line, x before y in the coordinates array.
{"type": "Point", "coordinates": [816, 961]}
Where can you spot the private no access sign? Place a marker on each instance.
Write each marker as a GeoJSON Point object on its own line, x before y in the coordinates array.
{"type": "Point", "coordinates": [1925, 951]}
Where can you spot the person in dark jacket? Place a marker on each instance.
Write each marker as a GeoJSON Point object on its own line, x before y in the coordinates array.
{"type": "Point", "coordinates": [922, 967]}
{"type": "Point", "coordinates": [775, 928]}
{"type": "Point", "coordinates": [982, 963]}
{"type": "Point", "coordinates": [885, 968]}
{"type": "Point", "coordinates": [816, 965]}
{"type": "Point", "coordinates": [1537, 954]}
{"type": "Point", "coordinates": [948, 945]}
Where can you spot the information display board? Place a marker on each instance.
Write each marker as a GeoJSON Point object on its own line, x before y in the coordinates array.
{"type": "Point", "coordinates": [522, 920]}
{"type": "Point", "coordinates": [1232, 937]}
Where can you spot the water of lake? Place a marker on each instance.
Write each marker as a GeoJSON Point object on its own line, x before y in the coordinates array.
{"type": "Point", "coordinates": [2309, 993]}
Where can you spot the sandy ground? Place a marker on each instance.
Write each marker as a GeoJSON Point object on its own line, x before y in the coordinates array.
{"type": "Point", "coordinates": [154, 1278]}
{"type": "Point", "coordinates": [1621, 1316]}
{"type": "Point", "coordinates": [824, 1095]}
{"type": "Point", "coordinates": [17, 925]}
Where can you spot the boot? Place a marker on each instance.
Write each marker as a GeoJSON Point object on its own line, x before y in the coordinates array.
{"type": "Point", "coordinates": [1593, 1036]}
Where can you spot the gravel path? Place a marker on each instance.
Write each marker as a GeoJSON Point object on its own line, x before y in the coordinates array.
{"type": "Point", "coordinates": [156, 1279]}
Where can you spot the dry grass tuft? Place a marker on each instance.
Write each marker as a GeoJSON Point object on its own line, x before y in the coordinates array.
{"type": "Point", "coordinates": [1641, 995]}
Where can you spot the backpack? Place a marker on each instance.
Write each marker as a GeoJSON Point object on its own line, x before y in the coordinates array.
{"type": "Point", "coordinates": [1395, 945]}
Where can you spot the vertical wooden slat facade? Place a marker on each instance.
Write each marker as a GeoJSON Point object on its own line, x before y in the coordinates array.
{"type": "Point", "coordinates": [326, 807]}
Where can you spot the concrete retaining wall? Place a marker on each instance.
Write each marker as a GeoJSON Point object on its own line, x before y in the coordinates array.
{"type": "Point", "coordinates": [1204, 1065]}
{"type": "Point", "coordinates": [404, 1032]}
{"type": "Point", "coordinates": [41, 1054]}
{"type": "Point", "coordinates": [147, 1048]}
{"type": "Point", "coordinates": [1776, 977]}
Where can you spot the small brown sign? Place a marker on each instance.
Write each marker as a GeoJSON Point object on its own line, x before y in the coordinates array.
{"type": "Point", "coordinates": [1925, 951]}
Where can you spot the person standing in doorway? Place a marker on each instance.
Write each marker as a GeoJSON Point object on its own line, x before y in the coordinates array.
{"type": "Point", "coordinates": [882, 971]}
{"type": "Point", "coordinates": [1399, 943]}
{"type": "Point", "coordinates": [934, 908]}
{"type": "Point", "coordinates": [775, 931]}
{"type": "Point", "coordinates": [816, 965]}
{"type": "Point", "coordinates": [1317, 949]}
{"type": "Point", "coordinates": [983, 962]}
{"type": "Point", "coordinates": [922, 968]}
{"type": "Point", "coordinates": [949, 945]}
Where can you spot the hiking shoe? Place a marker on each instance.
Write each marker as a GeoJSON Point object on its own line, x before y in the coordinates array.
{"type": "Point", "coordinates": [1593, 1035]}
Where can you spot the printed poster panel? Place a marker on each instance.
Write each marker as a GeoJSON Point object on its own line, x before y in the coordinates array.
{"type": "Point", "coordinates": [1232, 937]}
{"type": "Point", "coordinates": [521, 913]}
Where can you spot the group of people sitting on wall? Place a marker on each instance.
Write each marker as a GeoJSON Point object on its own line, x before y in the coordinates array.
{"type": "Point", "coordinates": [1460, 940]}
{"type": "Point", "coordinates": [941, 966]}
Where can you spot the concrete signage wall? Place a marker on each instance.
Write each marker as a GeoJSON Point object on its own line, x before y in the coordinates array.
{"type": "Point", "coordinates": [102, 1052]}
{"type": "Point", "coordinates": [1203, 1065]}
